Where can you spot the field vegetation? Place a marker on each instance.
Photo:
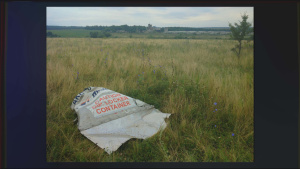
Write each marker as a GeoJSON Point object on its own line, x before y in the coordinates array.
{"type": "Point", "coordinates": [207, 89]}
{"type": "Point", "coordinates": [84, 33]}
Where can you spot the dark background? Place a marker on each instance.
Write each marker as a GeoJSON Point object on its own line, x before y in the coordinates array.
{"type": "Point", "coordinates": [276, 81]}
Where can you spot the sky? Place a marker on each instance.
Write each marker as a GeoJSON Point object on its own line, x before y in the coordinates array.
{"type": "Point", "coordinates": [157, 16]}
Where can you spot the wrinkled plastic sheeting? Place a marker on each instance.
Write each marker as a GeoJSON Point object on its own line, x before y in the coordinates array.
{"type": "Point", "coordinates": [109, 118]}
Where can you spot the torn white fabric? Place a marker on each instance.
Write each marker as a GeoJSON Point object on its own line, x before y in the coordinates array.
{"type": "Point", "coordinates": [109, 118]}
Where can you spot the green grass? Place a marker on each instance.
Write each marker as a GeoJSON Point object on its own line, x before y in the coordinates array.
{"type": "Point", "coordinates": [83, 33]}
{"type": "Point", "coordinates": [190, 76]}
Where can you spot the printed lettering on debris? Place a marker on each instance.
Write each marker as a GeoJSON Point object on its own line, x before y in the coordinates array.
{"type": "Point", "coordinates": [109, 104]}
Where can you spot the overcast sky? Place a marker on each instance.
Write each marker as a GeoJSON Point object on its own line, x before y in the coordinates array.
{"type": "Point", "coordinates": [157, 16]}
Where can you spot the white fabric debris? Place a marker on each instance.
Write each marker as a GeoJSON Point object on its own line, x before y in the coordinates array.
{"type": "Point", "coordinates": [109, 118]}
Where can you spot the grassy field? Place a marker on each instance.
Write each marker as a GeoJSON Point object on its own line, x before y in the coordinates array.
{"type": "Point", "coordinates": [206, 88]}
{"type": "Point", "coordinates": [83, 33]}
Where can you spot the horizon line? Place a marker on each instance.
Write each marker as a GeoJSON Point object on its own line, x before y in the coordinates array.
{"type": "Point", "coordinates": [152, 25]}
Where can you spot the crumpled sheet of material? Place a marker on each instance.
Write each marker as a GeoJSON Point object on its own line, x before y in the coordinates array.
{"type": "Point", "coordinates": [109, 118]}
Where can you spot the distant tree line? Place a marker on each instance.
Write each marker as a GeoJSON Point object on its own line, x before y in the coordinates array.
{"type": "Point", "coordinates": [135, 29]}
{"type": "Point", "coordinates": [64, 27]}
{"type": "Point", "coordinates": [100, 34]}
{"type": "Point", "coordinates": [50, 34]}
{"type": "Point", "coordinates": [113, 29]}
{"type": "Point", "coordinates": [198, 29]}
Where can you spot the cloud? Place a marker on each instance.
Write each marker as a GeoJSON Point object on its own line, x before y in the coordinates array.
{"type": "Point", "coordinates": [158, 16]}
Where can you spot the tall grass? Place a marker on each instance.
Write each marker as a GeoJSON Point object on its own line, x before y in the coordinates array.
{"type": "Point", "coordinates": [206, 88]}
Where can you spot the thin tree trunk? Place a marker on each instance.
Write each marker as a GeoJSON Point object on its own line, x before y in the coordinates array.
{"type": "Point", "coordinates": [240, 46]}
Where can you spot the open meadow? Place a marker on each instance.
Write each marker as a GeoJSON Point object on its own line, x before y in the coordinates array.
{"type": "Point", "coordinates": [202, 83]}
{"type": "Point", "coordinates": [83, 33]}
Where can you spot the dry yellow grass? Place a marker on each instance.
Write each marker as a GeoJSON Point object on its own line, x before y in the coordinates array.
{"type": "Point", "coordinates": [199, 73]}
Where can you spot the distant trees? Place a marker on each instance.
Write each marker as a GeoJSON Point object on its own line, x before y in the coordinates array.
{"type": "Point", "coordinates": [50, 34]}
{"type": "Point", "coordinates": [132, 29]}
{"type": "Point", "coordinates": [238, 32]}
{"type": "Point", "coordinates": [106, 34]}
{"type": "Point", "coordinates": [198, 29]}
{"type": "Point", "coordinates": [94, 34]}
{"type": "Point", "coordinates": [63, 27]}
{"type": "Point", "coordinates": [126, 28]}
{"type": "Point", "coordinates": [100, 35]}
